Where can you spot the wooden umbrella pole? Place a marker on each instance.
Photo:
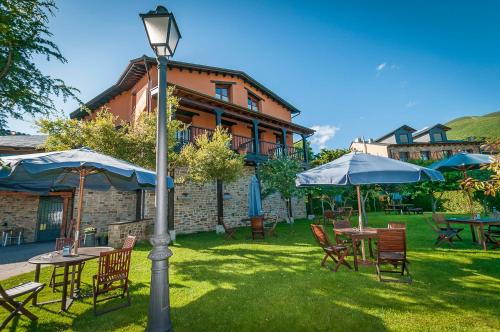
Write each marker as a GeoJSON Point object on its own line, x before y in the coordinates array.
{"type": "Point", "coordinates": [360, 221]}
{"type": "Point", "coordinates": [79, 211]}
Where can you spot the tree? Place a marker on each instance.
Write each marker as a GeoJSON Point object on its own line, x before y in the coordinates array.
{"type": "Point", "coordinates": [309, 150]}
{"type": "Point", "coordinates": [326, 155]}
{"type": "Point", "coordinates": [209, 159]}
{"type": "Point", "coordinates": [107, 134]}
{"type": "Point", "coordinates": [24, 35]}
{"type": "Point", "coordinates": [278, 176]}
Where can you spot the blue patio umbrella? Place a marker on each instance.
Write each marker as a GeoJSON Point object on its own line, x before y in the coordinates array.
{"type": "Point", "coordinates": [79, 168]}
{"type": "Point", "coordinates": [361, 168]}
{"type": "Point", "coordinates": [463, 162]}
{"type": "Point", "coordinates": [254, 199]}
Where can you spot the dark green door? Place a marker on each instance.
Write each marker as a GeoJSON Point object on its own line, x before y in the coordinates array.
{"type": "Point", "coordinates": [50, 217]}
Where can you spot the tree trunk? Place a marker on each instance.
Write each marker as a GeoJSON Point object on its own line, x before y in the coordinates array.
{"type": "Point", "coordinates": [220, 203]}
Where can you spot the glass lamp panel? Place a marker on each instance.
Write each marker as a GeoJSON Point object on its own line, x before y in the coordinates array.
{"type": "Point", "coordinates": [173, 38]}
{"type": "Point", "coordinates": [157, 29]}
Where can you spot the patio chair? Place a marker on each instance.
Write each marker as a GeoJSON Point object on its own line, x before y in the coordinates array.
{"type": "Point", "coordinates": [270, 229]}
{"type": "Point", "coordinates": [112, 277]}
{"type": "Point", "coordinates": [396, 225]}
{"type": "Point", "coordinates": [440, 220]}
{"type": "Point", "coordinates": [129, 242]}
{"type": "Point", "coordinates": [337, 253]}
{"type": "Point", "coordinates": [257, 226]}
{"type": "Point", "coordinates": [444, 235]}
{"type": "Point", "coordinates": [229, 231]}
{"type": "Point", "coordinates": [492, 235]}
{"type": "Point", "coordinates": [8, 300]}
{"type": "Point", "coordinates": [57, 269]}
{"type": "Point", "coordinates": [13, 235]}
{"type": "Point", "coordinates": [391, 250]}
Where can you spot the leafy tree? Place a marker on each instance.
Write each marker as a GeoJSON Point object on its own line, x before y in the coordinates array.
{"type": "Point", "coordinates": [278, 176]}
{"type": "Point", "coordinates": [326, 155]}
{"type": "Point", "coordinates": [210, 159]}
{"type": "Point", "coordinates": [309, 150]}
{"type": "Point", "coordinates": [24, 35]}
{"type": "Point", "coordinates": [105, 133]}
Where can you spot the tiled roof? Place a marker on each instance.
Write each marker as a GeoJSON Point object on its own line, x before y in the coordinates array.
{"type": "Point", "coordinates": [22, 141]}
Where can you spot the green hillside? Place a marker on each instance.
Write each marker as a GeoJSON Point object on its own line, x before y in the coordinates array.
{"type": "Point", "coordinates": [484, 126]}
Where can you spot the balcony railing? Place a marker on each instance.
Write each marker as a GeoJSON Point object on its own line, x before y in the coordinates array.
{"type": "Point", "coordinates": [243, 145]}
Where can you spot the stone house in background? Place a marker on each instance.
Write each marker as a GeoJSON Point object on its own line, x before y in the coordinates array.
{"type": "Point", "coordinates": [406, 143]}
{"type": "Point", "coordinates": [261, 124]}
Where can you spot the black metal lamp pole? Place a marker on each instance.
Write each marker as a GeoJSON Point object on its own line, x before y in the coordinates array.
{"type": "Point", "coordinates": [163, 35]}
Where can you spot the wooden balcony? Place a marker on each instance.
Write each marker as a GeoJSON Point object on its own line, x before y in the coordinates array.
{"type": "Point", "coordinates": [244, 145]}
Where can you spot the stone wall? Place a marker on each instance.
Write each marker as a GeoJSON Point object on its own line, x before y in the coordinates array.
{"type": "Point", "coordinates": [101, 208]}
{"type": "Point", "coordinates": [120, 230]}
{"type": "Point", "coordinates": [435, 150]}
{"type": "Point", "coordinates": [20, 211]}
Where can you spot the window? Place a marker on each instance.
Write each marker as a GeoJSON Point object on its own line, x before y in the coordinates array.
{"type": "Point", "coordinates": [222, 92]}
{"type": "Point", "coordinates": [403, 138]}
{"type": "Point", "coordinates": [437, 137]}
{"type": "Point", "coordinates": [403, 156]}
{"type": "Point", "coordinates": [253, 103]}
{"type": "Point", "coordinates": [424, 155]}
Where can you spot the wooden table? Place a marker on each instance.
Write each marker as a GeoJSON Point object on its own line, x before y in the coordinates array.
{"type": "Point", "coordinates": [356, 235]}
{"type": "Point", "coordinates": [475, 224]}
{"type": "Point", "coordinates": [56, 258]}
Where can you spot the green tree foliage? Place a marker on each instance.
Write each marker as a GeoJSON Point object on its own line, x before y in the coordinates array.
{"type": "Point", "coordinates": [24, 35]}
{"type": "Point", "coordinates": [278, 176]}
{"type": "Point", "coordinates": [326, 155]}
{"type": "Point", "coordinates": [105, 133]}
{"type": "Point", "coordinates": [309, 150]}
{"type": "Point", "coordinates": [210, 158]}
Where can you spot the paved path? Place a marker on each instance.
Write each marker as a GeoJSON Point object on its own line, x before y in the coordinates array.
{"type": "Point", "coordinates": [13, 259]}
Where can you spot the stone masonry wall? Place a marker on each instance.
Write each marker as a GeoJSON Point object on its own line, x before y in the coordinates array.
{"type": "Point", "coordinates": [119, 231]}
{"type": "Point", "coordinates": [20, 211]}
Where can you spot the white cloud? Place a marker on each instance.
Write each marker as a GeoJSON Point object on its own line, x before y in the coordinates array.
{"type": "Point", "coordinates": [381, 67]}
{"type": "Point", "coordinates": [410, 104]}
{"type": "Point", "coordinates": [323, 134]}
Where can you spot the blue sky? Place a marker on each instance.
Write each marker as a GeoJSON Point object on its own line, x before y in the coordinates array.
{"type": "Point", "coordinates": [353, 67]}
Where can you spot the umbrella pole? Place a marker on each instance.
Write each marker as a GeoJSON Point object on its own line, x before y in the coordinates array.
{"type": "Point", "coordinates": [79, 211]}
{"type": "Point", "coordinates": [360, 221]}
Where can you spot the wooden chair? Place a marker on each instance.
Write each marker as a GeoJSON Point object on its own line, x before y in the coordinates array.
{"type": "Point", "coordinates": [337, 253]}
{"type": "Point", "coordinates": [444, 235]}
{"type": "Point", "coordinates": [492, 235]}
{"type": "Point", "coordinates": [230, 232]}
{"type": "Point", "coordinates": [270, 229]}
{"type": "Point", "coordinates": [14, 235]}
{"type": "Point", "coordinates": [440, 220]}
{"type": "Point", "coordinates": [8, 296]}
{"type": "Point", "coordinates": [129, 242]}
{"type": "Point", "coordinates": [57, 269]}
{"type": "Point", "coordinates": [396, 225]}
{"type": "Point", "coordinates": [257, 226]}
{"type": "Point", "coordinates": [112, 276]}
{"type": "Point", "coordinates": [391, 249]}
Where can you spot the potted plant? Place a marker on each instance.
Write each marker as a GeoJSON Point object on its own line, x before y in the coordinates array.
{"type": "Point", "coordinates": [89, 236]}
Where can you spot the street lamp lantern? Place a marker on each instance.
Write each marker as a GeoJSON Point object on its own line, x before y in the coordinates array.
{"type": "Point", "coordinates": [163, 35]}
{"type": "Point", "coordinates": [162, 30]}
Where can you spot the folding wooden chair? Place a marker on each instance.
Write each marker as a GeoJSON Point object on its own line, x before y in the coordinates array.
{"type": "Point", "coordinates": [492, 235]}
{"type": "Point", "coordinates": [396, 225]}
{"type": "Point", "coordinates": [257, 226]}
{"type": "Point", "coordinates": [440, 220]}
{"type": "Point", "coordinates": [444, 235]}
{"type": "Point", "coordinates": [57, 269]}
{"type": "Point", "coordinates": [337, 253]}
{"type": "Point", "coordinates": [270, 229]}
{"type": "Point", "coordinates": [129, 242]}
{"type": "Point", "coordinates": [391, 249]}
{"type": "Point", "coordinates": [112, 275]}
{"type": "Point", "coordinates": [8, 296]}
{"type": "Point", "coordinates": [230, 232]}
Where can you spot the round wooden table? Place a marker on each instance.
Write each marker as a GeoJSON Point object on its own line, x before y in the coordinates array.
{"type": "Point", "coordinates": [357, 235]}
{"type": "Point", "coordinates": [56, 258]}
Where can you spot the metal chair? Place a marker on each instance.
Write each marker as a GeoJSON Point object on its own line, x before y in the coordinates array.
{"type": "Point", "coordinates": [15, 235]}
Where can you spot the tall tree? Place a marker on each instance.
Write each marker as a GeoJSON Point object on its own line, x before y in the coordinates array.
{"type": "Point", "coordinates": [211, 159]}
{"type": "Point", "coordinates": [278, 176]}
{"type": "Point", "coordinates": [24, 35]}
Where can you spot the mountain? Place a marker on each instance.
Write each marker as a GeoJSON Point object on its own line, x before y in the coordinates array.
{"type": "Point", "coordinates": [483, 126]}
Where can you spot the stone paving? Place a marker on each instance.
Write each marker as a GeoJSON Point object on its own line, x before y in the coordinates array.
{"type": "Point", "coordinates": [13, 259]}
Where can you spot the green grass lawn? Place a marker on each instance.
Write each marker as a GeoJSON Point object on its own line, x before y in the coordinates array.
{"type": "Point", "coordinates": [278, 285]}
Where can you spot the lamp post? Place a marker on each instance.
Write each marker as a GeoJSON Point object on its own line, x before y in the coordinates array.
{"type": "Point", "coordinates": [163, 35]}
